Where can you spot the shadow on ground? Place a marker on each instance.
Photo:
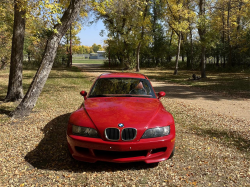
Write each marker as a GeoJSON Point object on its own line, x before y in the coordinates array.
{"type": "Point", "coordinates": [183, 92]}
{"type": "Point", "coordinates": [52, 152]}
{"type": "Point", "coordinates": [228, 138]}
{"type": "Point", "coordinates": [4, 111]}
{"type": "Point", "coordinates": [229, 85]}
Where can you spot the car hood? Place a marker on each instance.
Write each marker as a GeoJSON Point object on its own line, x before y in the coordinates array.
{"type": "Point", "coordinates": [130, 111]}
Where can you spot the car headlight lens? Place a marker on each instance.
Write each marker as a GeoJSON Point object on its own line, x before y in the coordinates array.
{"type": "Point", "coordinates": [156, 132]}
{"type": "Point", "coordinates": [84, 131]}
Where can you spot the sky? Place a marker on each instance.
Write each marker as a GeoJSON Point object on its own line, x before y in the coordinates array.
{"type": "Point", "coordinates": [90, 34]}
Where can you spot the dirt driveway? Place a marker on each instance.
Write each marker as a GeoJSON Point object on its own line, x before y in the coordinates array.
{"type": "Point", "coordinates": [231, 107]}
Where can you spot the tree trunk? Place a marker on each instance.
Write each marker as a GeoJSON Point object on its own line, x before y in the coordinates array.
{"type": "Point", "coordinates": [29, 58]}
{"type": "Point", "coordinates": [230, 62]}
{"type": "Point", "coordinates": [178, 54]}
{"type": "Point", "coordinates": [188, 59]}
{"type": "Point", "coordinates": [141, 39]}
{"type": "Point", "coordinates": [15, 86]}
{"type": "Point", "coordinates": [138, 57]}
{"type": "Point", "coordinates": [70, 47]}
{"type": "Point", "coordinates": [224, 61]}
{"type": "Point", "coordinates": [183, 57]}
{"type": "Point", "coordinates": [68, 53]}
{"type": "Point", "coordinates": [192, 48]}
{"type": "Point", "coordinates": [170, 43]}
{"type": "Point", "coordinates": [203, 62]}
{"type": "Point", "coordinates": [223, 37]}
{"type": "Point", "coordinates": [202, 32]}
{"type": "Point", "coordinates": [217, 60]}
{"type": "Point", "coordinates": [239, 28]}
{"type": "Point", "coordinates": [29, 101]}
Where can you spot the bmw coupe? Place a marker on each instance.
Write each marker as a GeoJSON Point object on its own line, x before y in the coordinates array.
{"type": "Point", "coordinates": [121, 120]}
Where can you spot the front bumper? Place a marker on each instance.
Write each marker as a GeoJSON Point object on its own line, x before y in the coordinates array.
{"type": "Point", "coordinates": [95, 149]}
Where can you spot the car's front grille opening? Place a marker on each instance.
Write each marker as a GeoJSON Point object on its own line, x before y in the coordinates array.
{"type": "Point", "coordinates": [82, 150]}
{"type": "Point", "coordinates": [118, 154]}
{"type": "Point", "coordinates": [162, 149]}
{"type": "Point", "coordinates": [128, 134]}
{"type": "Point", "coordinates": [112, 134]}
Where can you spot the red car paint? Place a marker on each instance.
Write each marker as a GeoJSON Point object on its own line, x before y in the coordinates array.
{"type": "Point", "coordinates": [140, 113]}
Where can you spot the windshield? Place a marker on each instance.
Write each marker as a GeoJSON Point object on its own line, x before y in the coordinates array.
{"type": "Point", "coordinates": [122, 87]}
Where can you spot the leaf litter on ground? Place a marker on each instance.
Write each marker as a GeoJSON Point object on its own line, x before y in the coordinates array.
{"type": "Point", "coordinates": [211, 149]}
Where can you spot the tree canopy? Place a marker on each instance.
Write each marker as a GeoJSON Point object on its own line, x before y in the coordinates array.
{"type": "Point", "coordinates": [199, 30]}
{"type": "Point", "coordinates": [140, 33]}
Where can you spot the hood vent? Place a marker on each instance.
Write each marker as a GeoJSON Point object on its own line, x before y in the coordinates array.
{"type": "Point", "coordinates": [113, 134]}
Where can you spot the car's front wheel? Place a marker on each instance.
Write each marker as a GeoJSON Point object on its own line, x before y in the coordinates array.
{"type": "Point", "coordinates": [153, 165]}
{"type": "Point", "coordinates": [172, 154]}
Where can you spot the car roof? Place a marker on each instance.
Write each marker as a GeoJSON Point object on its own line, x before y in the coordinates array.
{"type": "Point", "coordinates": [123, 75]}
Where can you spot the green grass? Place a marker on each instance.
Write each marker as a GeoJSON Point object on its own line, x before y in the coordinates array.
{"type": "Point", "coordinates": [80, 58]}
{"type": "Point", "coordinates": [230, 83]}
{"type": "Point", "coordinates": [89, 61]}
{"type": "Point", "coordinates": [63, 84]}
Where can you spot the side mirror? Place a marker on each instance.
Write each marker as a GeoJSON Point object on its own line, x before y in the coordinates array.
{"type": "Point", "coordinates": [161, 94]}
{"type": "Point", "coordinates": [84, 94]}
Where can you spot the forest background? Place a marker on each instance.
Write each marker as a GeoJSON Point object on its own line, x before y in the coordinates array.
{"type": "Point", "coordinates": [216, 30]}
{"type": "Point", "coordinates": [202, 34]}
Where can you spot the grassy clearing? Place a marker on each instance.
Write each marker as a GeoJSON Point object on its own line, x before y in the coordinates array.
{"type": "Point", "coordinates": [89, 61]}
{"type": "Point", "coordinates": [236, 84]}
{"type": "Point", "coordinates": [61, 85]}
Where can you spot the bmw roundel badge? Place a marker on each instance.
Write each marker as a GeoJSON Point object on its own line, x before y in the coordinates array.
{"type": "Point", "coordinates": [120, 125]}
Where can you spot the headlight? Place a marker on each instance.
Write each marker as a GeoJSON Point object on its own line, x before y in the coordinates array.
{"type": "Point", "coordinates": [156, 132]}
{"type": "Point", "coordinates": [84, 131]}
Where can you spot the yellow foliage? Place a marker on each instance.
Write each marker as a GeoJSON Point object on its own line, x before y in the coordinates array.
{"type": "Point", "coordinates": [6, 24]}
{"type": "Point", "coordinates": [178, 15]}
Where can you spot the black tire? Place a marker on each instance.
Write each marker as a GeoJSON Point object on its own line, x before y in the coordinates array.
{"type": "Point", "coordinates": [69, 154]}
{"type": "Point", "coordinates": [153, 165]}
{"type": "Point", "coordinates": [172, 154]}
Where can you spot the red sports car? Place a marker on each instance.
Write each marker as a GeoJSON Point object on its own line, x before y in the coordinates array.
{"type": "Point", "coordinates": [121, 120]}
